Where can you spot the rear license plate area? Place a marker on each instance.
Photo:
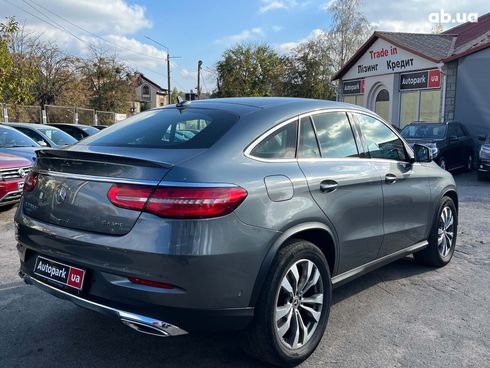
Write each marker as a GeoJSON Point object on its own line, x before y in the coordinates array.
{"type": "Point", "coordinates": [60, 273]}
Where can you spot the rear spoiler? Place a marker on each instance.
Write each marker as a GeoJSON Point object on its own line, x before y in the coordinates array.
{"type": "Point", "coordinates": [103, 158]}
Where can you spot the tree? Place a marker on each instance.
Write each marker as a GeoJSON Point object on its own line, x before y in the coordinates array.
{"type": "Point", "coordinates": [308, 70]}
{"type": "Point", "coordinates": [249, 70]}
{"type": "Point", "coordinates": [109, 82]}
{"type": "Point", "coordinates": [349, 30]}
{"type": "Point", "coordinates": [17, 74]}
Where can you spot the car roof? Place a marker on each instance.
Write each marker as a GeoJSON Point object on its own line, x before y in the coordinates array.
{"type": "Point", "coordinates": [252, 104]}
{"type": "Point", "coordinates": [67, 124]}
{"type": "Point", "coordinates": [27, 125]}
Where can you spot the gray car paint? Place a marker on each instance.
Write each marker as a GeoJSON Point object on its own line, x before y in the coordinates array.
{"type": "Point", "coordinates": [220, 263]}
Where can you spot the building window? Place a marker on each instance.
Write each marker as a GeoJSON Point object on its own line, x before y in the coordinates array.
{"type": "Point", "coordinates": [422, 105]}
{"type": "Point", "coordinates": [408, 107]}
{"type": "Point", "coordinates": [382, 105]}
{"type": "Point", "coordinates": [354, 99]}
{"type": "Point", "coordinates": [145, 92]}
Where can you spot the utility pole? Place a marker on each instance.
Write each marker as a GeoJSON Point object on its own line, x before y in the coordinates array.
{"type": "Point", "coordinates": [168, 78]}
{"type": "Point", "coordinates": [199, 66]}
{"type": "Point", "coordinates": [168, 66]}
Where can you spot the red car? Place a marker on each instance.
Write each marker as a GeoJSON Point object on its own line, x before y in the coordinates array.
{"type": "Point", "coordinates": [13, 171]}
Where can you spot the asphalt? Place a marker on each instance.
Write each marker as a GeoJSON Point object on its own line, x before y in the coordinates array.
{"type": "Point", "coordinates": [402, 315]}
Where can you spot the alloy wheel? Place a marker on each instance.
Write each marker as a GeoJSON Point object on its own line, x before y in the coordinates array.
{"type": "Point", "coordinates": [445, 232]}
{"type": "Point", "coordinates": [299, 304]}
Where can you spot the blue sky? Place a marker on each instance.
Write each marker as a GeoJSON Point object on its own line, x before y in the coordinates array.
{"type": "Point", "coordinates": [203, 29]}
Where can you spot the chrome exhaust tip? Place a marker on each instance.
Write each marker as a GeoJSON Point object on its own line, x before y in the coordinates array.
{"type": "Point", "coordinates": [149, 325]}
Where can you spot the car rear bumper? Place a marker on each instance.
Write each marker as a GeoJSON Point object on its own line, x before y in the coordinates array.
{"type": "Point", "coordinates": [214, 282]}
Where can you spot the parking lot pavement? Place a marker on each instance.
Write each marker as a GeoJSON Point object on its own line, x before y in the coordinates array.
{"type": "Point", "coordinates": [402, 315]}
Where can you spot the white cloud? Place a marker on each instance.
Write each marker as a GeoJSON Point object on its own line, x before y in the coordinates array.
{"type": "Point", "coordinates": [268, 5]}
{"type": "Point", "coordinates": [277, 28]}
{"type": "Point", "coordinates": [413, 15]}
{"type": "Point", "coordinates": [288, 46]}
{"type": "Point", "coordinates": [245, 35]}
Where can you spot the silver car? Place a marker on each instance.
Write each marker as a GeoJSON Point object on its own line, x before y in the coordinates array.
{"type": "Point", "coordinates": [246, 224]}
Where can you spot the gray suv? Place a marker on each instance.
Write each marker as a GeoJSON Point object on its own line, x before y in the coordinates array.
{"type": "Point", "coordinates": [236, 213]}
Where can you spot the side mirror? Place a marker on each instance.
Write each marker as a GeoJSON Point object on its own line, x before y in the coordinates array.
{"type": "Point", "coordinates": [453, 138]}
{"type": "Point", "coordinates": [482, 137]}
{"type": "Point", "coordinates": [42, 143]}
{"type": "Point", "coordinates": [422, 153]}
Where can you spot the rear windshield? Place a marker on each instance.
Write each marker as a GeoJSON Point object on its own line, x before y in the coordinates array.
{"type": "Point", "coordinates": [167, 128]}
{"type": "Point", "coordinates": [58, 136]}
{"type": "Point", "coordinates": [12, 138]}
{"type": "Point", "coordinates": [433, 131]}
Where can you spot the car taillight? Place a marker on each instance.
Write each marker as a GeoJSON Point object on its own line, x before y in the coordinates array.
{"type": "Point", "coordinates": [31, 181]}
{"type": "Point", "coordinates": [129, 196]}
{"type": "Point", "coordinates": [178, 202]}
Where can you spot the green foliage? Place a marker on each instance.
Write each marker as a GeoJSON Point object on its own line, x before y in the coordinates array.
{"type": "Point", "coordinates": [308, 70]}
{"type": "Point", "coordinates": [249, 70]}
{"type": "Point", "coordinates": [17, 75]}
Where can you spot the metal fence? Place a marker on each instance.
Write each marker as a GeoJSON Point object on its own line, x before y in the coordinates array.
{"type": "Point", "coordinates": [57, 114]}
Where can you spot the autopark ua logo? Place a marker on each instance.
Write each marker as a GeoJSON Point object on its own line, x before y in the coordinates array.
{"type": "Point", "coordinates": [445, 17]}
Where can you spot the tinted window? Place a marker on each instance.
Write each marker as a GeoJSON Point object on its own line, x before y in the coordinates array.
{"type": "Point", "coordinates": [89, 130]}
{"type": "Point", "coordinates": [74, 132]}
{"type": "Point", "coordinates": [335, 135]}
{"type": "Point", "coordinates": [308, 146]}
{"type": "Point", "coordinates": [279, 144]}
{"type": "Point", "coordinates": [31, 134]}
{"type": "Point", "coordinates": [167, 128]}
{"type": "Point", "coordinates": [430, 130]}
{"type": "Point", "coordinates": [380, 140]}
{"type": "Point", "coordinates": [459, 130]}
{"type": "Point", "coordinates": [13, 138]}
{"type": "Point", "coordinates": [58, 136]}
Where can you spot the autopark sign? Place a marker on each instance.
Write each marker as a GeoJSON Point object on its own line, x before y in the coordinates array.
{"type": "Point", "coordinates": [385, 58]}
{"type": "Point", "coordinates": [421, 80]}
{"type": "Point", "coordinates": [355, 87]}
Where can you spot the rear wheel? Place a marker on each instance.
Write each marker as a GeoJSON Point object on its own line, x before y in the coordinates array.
{"type": "Point", "coordinates": [442, 239]}
{"type": "Point", "coordinates": [292, 312]}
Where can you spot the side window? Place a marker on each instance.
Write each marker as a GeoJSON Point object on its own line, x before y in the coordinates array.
{"type": "Point", "coordinates": [31, 134]}
{"type": "Point", "coordinates": [308, 146]}
{"type": "Point", "coordinates": [459, 131]}
{"type": "Point", "coordinates": [279, 144]}
{"type": "Point", "coordinates": [380, 140]}
{"type": "Point", "coordinates": [335, 135]}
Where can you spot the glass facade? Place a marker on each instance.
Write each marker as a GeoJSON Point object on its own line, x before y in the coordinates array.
{"type": "Point", "coordinates": [421, 105]}
{"type": "Point", "coordinates": [354, 99]}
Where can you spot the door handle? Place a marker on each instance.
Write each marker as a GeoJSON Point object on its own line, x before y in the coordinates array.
{"type": "Point", "coordinates": [390, 178]}
{"type": "Point", "coordinates": [327, 186]}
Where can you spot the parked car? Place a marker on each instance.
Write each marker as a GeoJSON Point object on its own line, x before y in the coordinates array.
{"type": "Point", "coordinates": [244, 225]}
{"type": "Point", "coordinates": [100, 127]}
{"type": "Point", "coordinates": [13, 170]}
{"type": "Point", "coordinates": [16, 143]}
{"type": "Point", "coordinates": [451, 145]}
{"type": "Point", "coordinates": [484, 158]}
{"type": "Point", "coordinates": [77, 131]}
{"type": "Point", "coordinates": [44, 135]}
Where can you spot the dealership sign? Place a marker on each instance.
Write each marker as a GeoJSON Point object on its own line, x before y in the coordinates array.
{"type": "Point", "coordinates": [355, 87]}
{"type": "Point", "coordinates": [385, 58]}
{"type": "Point", "coordinates": [421, 80]}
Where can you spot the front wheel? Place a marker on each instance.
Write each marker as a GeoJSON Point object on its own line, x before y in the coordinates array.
{"type": "Point", "coordinates": [292, 312]}
{"type": "Point", "coordinates": [442, 239]}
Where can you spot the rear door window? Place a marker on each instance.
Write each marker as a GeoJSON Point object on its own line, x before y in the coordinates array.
{"type": "Point", "coordinates": [167, 128]}
{"type": "Point", "coordinates": [335, 135]}
{"type": "Point", "coordinates": [280, 144]}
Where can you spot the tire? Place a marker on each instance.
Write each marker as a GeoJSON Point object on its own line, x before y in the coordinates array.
{"type": "Point", "coordinates": [469, 163]}
{"type": "Point", "coordinates": [442, 163]}
{"type": "Point", "coordinates": [273, 341]}
{"type": "Point", "coordinates": [441, 246]}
